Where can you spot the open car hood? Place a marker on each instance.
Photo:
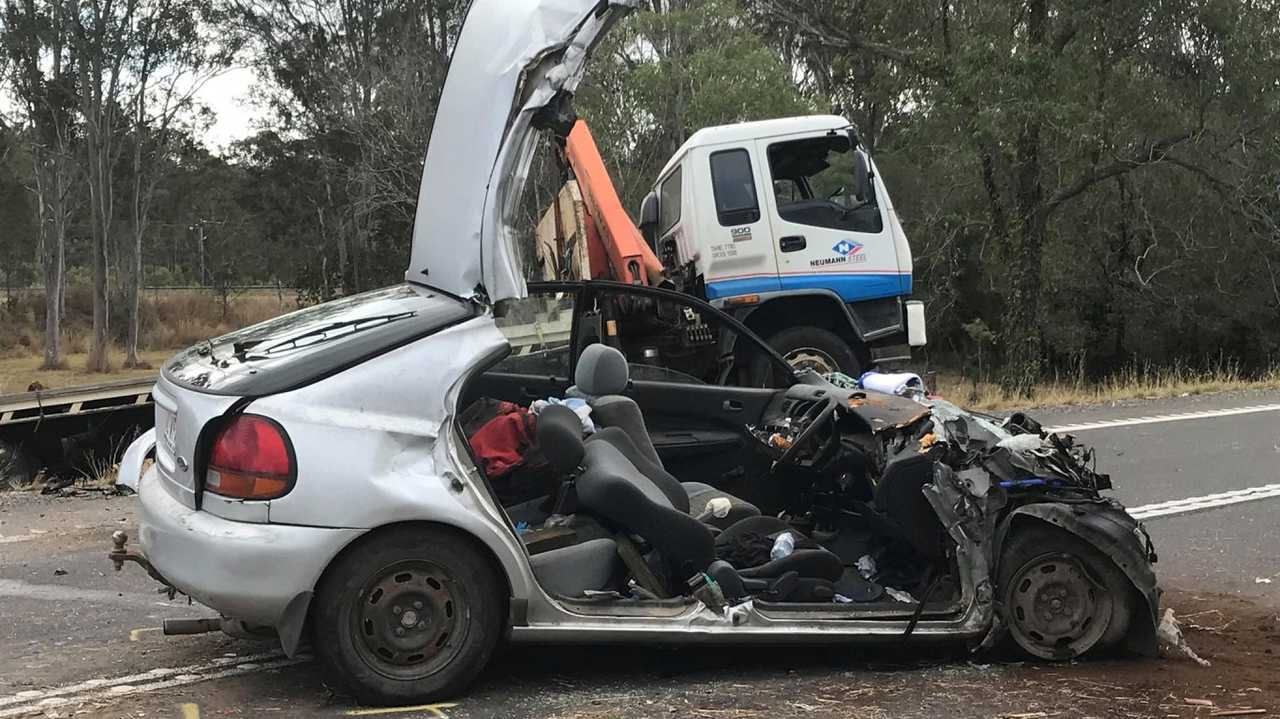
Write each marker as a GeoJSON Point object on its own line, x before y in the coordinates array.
{"type": "Point", "coordinates": [513, 58]}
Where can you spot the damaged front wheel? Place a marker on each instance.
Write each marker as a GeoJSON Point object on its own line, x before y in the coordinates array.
{"type": "Point", "coordinates": [1061, 596]}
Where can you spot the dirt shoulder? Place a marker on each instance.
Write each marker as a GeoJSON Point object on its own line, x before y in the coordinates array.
{"type": "Point", "coordinates": [1239, 638]}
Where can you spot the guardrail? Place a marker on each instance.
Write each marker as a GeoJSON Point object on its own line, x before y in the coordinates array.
{"type": "Point", "coordinates": [28, 407]}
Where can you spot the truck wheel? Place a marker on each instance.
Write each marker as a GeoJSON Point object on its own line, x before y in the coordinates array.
{"type": "Point", "coordinates": [811, 348]}
{"type": "Point", "coordinates": [17, 469]}
{"type": "Point", "coordinates": [1062, 597]}
{"type": "Point", "coordinates": [410, 616]}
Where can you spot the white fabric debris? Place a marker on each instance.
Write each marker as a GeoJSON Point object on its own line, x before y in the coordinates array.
{"type": "Point", "coordinates": [1021, 443]}
{"type": "Point", "coordinates": [899, 595]}
{"type": "Point", "coordinates": [901, 383]}
{"type": "Point", "coordinates": [579, 407]}
{"type": "Point", "coordinates": [1170, 634]}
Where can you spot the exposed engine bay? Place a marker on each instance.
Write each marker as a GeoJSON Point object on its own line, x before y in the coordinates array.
{"type": "Point", "coordinates": [875, 478]}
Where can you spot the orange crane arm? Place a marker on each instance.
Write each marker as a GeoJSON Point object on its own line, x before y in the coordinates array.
{"type": "Point", "coordinates": [615, 247]}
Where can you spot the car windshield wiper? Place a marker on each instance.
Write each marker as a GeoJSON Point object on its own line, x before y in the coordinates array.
{"type": "Point", "coordinates": [330, 331]}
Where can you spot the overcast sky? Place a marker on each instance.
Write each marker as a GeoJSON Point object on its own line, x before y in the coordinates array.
{"type": "Point", "coordinates": [229, 96]}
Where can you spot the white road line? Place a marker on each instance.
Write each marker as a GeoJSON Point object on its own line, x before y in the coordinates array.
{"type": "Point", "coordinates": [1209, 501]}
{"type": "Point", "coordinates": [1156, 419]}
{"type": "Point", "coordinates": [26, 702]}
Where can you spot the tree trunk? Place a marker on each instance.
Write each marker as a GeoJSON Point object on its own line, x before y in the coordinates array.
{"type": "Point", "coordinates": [135, 291]}
{"type": "Point", "coordinates": [1022, 341]}
{"type": "Point", "coordinates": [100, 214]}
{"type": "Point", "coordinates": [54, 259]}
{"type": "Point", "coordinates": [135, 274]}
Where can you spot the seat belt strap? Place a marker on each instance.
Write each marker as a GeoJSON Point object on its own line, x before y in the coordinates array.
{"type": "Point", "coordinates": [640, 569]}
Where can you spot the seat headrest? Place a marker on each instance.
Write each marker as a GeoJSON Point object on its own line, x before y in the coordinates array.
{"type": "Point", "coordinates": [601, 370]}
{"type": "Point", "coordinates": [560, 438]}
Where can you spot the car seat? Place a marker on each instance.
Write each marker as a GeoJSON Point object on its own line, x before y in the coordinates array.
{"type": "Point", "coordinates": [608, 487]}
{"type": "Point", "coordinates": [601, 376]}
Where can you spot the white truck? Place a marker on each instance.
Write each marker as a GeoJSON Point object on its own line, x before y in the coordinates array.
{"type": "Point", "coordinates": [786, 224]}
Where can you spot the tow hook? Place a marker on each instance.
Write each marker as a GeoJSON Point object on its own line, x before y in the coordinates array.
{"type": "Point", "coordinates": [119, 555]}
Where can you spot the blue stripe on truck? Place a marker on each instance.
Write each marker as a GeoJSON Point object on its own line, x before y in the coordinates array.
{"type": "Point", "coordinates": [850, 286]}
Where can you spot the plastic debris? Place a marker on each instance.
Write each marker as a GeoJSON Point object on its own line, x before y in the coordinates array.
{"type": "Point", "coordinates": [1262, 580]}
{"type": "Point", "coordinates": [783, 546]}
{"type": "Point", "coordinates": [1022, 443]}
{"type": "Point", "coordinates": [1170, 633]}
{"type": "Point", "coordinates": [899, 595]}
{"type": "Point", "coordinates": [842, 380]}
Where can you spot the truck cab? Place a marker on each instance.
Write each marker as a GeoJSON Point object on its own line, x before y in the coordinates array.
{"type": "Point", "coordinates": [787, 225]}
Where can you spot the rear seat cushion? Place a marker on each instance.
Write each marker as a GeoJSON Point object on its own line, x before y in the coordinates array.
{"type": "Point", "coordinates": [571, 571]}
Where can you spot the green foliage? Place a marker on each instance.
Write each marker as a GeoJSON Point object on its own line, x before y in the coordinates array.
{"type": "Point", "coordinates": [670, 70]}
{"type": "Point", "coordinates": [1091, 179]}
{"type": "Point", "coordinates": [1084, 183]}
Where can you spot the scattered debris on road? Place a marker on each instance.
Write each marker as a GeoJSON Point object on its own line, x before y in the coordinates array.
{"type": "Point", "coordinates": [1170, 635]}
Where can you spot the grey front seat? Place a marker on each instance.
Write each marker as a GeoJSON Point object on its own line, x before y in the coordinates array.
{"type": "Point", "coordinates": [601, 377]}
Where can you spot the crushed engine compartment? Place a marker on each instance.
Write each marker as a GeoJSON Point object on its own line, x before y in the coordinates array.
{"type": "Point", "coordinates": [908, 490]}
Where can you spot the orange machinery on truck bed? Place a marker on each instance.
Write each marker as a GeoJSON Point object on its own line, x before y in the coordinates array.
{"type": "Point", "coordinates": [615, 248]}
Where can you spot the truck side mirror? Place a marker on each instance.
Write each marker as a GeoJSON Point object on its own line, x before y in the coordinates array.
{"type": "Point", "coordinates": [649, 219]}
{"type": "Point", "coordinates": [862, 176]}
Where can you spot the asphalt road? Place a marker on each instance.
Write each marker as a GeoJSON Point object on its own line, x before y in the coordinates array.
{"type": "Point", "coordinates": [78, 639]}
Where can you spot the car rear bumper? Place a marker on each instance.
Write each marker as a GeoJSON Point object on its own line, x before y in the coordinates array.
{"type": "Point", "coordinates": [261, 574]}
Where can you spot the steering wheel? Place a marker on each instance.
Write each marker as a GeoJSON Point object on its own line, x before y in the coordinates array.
{"type": "Point", "coordinates": [820, 419]}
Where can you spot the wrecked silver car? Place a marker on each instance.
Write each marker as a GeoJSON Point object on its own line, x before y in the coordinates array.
{"type": "Point", "coordinates": [402, 478]}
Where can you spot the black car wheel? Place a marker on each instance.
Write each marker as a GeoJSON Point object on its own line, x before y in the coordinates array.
{"type": "Point", "coordinates": [408, 616]}
{"type": "Point", "coordinates": [1062, 597]}
{"type": "Point", "coordinates": [812, 348]}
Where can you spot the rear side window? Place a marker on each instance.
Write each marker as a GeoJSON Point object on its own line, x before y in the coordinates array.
{"type": "Point", "coordinates": [669, 202]}
{"type": "Point", "coordinates": [538, 328]}
{"type": "Point", "coordinates": [734, 187]}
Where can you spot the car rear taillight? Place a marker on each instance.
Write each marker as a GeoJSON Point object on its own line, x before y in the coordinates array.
{"type": "Point", "coordinates": [251, 459]}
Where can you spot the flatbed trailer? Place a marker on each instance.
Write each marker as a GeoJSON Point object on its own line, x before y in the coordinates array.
{"type": "Point", "coordinates": [57, 429]}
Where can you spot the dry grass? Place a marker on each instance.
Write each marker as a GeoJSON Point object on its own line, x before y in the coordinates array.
{"type": "Point", "coordinates": [1134, 383]}
{"type": "Point", "coordinates": [171, 320]}
{"type": "Point", "coordinates": [17, 373]}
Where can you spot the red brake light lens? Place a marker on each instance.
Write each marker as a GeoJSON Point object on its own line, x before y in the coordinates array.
{"type": "Point", "coordinates": [251, 459]}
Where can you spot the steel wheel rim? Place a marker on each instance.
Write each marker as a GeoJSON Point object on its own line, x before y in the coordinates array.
{"type": "Point", "coordinates": [812, 358]}
{"type": "Point", "coordinates": [410, 620]}
{"type": "Point", "coordinates": [1056, 609]}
